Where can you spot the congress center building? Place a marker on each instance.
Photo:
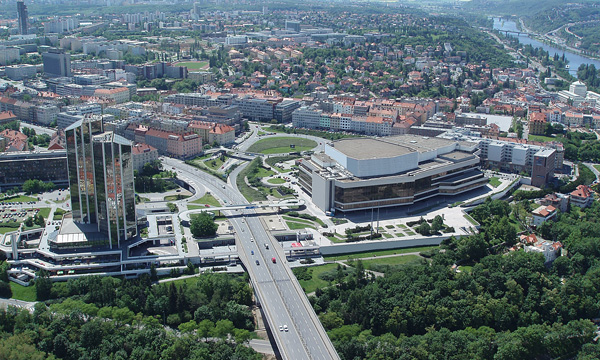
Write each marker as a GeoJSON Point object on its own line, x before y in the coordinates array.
{"type": "Point", "coordinates": [364, 173]}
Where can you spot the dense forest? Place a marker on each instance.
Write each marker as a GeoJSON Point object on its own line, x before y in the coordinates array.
{"type": "Point", "coordinates": [508, 305]}
{"type": "Point", "coordinates": [207, 317]}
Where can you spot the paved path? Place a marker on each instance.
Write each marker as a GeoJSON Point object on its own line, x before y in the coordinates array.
{"type": "Point", "coordinates": [4, 303]}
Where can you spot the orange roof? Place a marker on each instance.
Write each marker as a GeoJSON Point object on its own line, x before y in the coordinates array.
{"type": "Point", "coordinates": [7, 115]}
{"type": "Point", "coordinates": [140, 148]}
{"type": "Point", "coordinates": [582, 191]}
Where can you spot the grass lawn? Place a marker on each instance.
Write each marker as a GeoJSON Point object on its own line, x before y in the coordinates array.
{"type": "Point", "coordinates": [4, 230]}
{"type": "Point", "coordinates": [389, 226]}
{"type": "Point", "coordinates": [336, 239]}
{"type": "Point", "coordinates": [20, 292]}
{"type": "Point", "coordinates": [276, 181]}
{"type": "Point", "coordinates": [540, 138]}
{"type": "Point", "coordinates": [315, 283]}
{"type": "Point", "coordinates": [597, 167]}
{"type": "Point", "coordinates": [194, 65]}
{"type": "Point", "coordinates": [379, 253]}
{"type": "Point", "coordinates": [298, 226]}
{"type": "Point", "coordinates": [388, 236]}
{"type": "Point", "coordinates": [339, 221]}
{"type": "Point", "coordinates": [20, 198]}
{"type": "Point", "coordinates": [396, 260]}
{"type": "Point", "coordinates": [410, 233]}
{"type": "Point", "coordinates": [44, 212]}
{"type": "Point", "coordinates": [278, 145]}
{"type": "Point", "coordinates": [465, 268]}
{"type": "Point", "coordinates": [471, 220]}
{"type": "Point", "coordinates": [300, 220]}
{"type": "Point", "coordinates": [207, 199]}
{"type": "Point", "coordinates": [494, 181]}
{"type": "Point", "coordinates": [214, 164]}
{"type": "Point", "coordinates": [263, 173]}
{"type": "Point", "coordinates": [401, 226]}
{"type": "Point", "coordinates": [249, 193]}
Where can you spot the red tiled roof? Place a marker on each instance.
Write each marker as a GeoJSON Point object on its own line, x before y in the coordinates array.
{"type": "Point", "coordinates": [582, 191]}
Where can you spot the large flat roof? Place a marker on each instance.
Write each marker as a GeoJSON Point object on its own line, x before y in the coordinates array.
{"type": "Point", "coordinates": [390, 146]}
{"type": "Point", "coordinates": [420, 143]}
{"type": "Point", "coordinates": [370, 148]}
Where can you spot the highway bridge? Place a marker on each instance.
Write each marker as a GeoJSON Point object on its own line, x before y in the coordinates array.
{"type": "Point", "coordinates": [278, 292]}
{"type": "Point", "coordinates": [185, 215]}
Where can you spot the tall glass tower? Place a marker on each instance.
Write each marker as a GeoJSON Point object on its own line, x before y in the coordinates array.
{"type": "Point", "coordinates": [101, 181]}
{"type": "Point", "coordinates": [22, 15]}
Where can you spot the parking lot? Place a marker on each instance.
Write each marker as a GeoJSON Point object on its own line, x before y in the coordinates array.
{"type": "Point", "coordinates": [11, 214]}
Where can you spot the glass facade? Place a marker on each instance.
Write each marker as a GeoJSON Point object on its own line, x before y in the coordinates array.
{"type": "Point", "coordinates": [405, 193]}
{"type": "Point", "coordinates": [101, 178]}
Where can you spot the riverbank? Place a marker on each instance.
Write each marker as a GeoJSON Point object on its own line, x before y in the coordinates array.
{"type": "Point", "coordinates": [575, 59]}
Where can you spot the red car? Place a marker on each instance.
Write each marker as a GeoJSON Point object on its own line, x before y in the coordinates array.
{"type": "Point", "coordinates": [273, 260]}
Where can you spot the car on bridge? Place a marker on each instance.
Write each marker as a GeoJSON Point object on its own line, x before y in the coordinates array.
{"type": "Point", "coordinates": [274, 261]}
{"type": "Point", "coordinates": [257, 263]}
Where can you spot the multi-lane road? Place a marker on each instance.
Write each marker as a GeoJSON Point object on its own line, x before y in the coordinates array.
{"type": "Point", "coordinates": [283, 302]}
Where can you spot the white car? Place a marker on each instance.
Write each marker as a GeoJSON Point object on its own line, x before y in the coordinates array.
{"type": "Point", "coordinates": [285, 328]}
{"type": "Point", "coordinates": [280, 327]}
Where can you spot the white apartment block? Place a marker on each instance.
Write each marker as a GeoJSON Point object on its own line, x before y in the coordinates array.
{"type": "Point", "coordinates": [8, 55]}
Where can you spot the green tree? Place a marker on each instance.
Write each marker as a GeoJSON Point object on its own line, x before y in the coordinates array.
{"type": "Point", "coordinates": [43, 286]}
{"type": "Point", "coordinates": [424, 228]}
{"type": "Point", "coordinates": [203, 225]}
{"type": "Point", "coordinates": [223, 328]}
{"type": "Point", "coordinates": [437, 224]}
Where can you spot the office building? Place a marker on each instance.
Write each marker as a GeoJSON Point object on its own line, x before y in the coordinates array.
{"type": "Point", "coordinates": [57, 63]}
{"type": "Point", "coordinates": [544, 162]}
{"type": "Point", "coordinates": [366, 173]}
{"type": "Point", "coordinates": [22, 17]}
{"type": "Point", "coordinates": [100, 168]}
{"type": "Point", "coordinates": [17, 167]}
{"type": "Point", "coordinates": [292, 25]}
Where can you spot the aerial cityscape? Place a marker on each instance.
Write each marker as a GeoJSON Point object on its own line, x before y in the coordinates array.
{"type": "Point", "coordinates": [244, 179]}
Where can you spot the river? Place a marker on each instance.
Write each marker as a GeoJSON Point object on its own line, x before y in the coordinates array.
{"type": "Point", "coordinates": [574, 59]}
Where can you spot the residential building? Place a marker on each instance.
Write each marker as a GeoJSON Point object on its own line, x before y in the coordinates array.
{"type": "Point", "coordinates": [283, 110]}
{"type": "Point", "coordinates": [8, 55]}
{"type": "Point", "coordinates": [543, 214]}
{"type": "Point", "coordinates": [549, 249]}
{"type": "Point", "coordinates": [582, 196]}
{"type": "Point", "coordinates": [557, 200]}
{"type": "Point", "coordinates": [20, 72]}
{"type": "Point", "coordinates": [537, 123]}
{"type": "Point", "coordinates": [236, 40]}
{"type": "Point", "coordinates": [100, 168]}
{"type": "Point", "coordinates": [15, 140]}
{"type": "Point", "coordinates": [170, 143]}
{"type": "Point", "coordinates": [73, 113]}
{"type": "Point", "coordinates": [6, 117]}
{"type": "Point", "coordinates": [45, 114]}
{"type": "Point", "coordinates": [256, 108]}
{"type": "Point", "coordinates": [117, 95]}
{"type": "Point", "coordinates": [143, 154]}
{"type": "Point", "coordinates": [201, 76]}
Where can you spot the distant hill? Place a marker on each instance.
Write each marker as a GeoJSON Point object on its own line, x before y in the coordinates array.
{"type": "Point", "coordinates": [518, 7]}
